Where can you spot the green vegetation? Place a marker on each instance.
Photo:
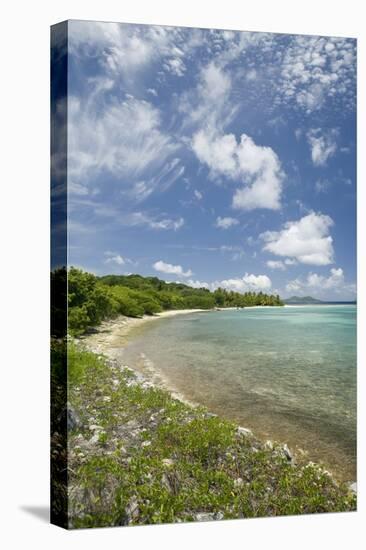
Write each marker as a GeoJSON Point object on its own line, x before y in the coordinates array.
{"type": "Point", "coordinates": [139, 456]}
{"type": "Point", "coordinates": [92, 299]}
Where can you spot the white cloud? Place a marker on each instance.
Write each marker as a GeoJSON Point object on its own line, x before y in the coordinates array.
{"type": "Point", "coordinates": [176, 66]}
{"type": "Point", "coordinates": [306, 240]}
{"type": "Point", "coordinates": [225, 223]}
{"type": "Point", "coordinates": [315, 69]}
{"type": "Point", "coordinates": [332, 285]}
{"type": "Point", "coordinates": [289, 261]}
{"type": "Point", "coordinates": [251, 75]}
{"type": "Point", "coordinates": [323, 145]}
{"type": "Point", "coordinates": [171, 269]}
{"type": "Point", "coordinates": [258, 167]}
{"type": "Point", "coordinates": [198, 194]}
{"type": "Point", "coordinates": [123, 138]}
{"type": "Point", "coordinates": [114, 258]}
{"type": "Point", "coordinates": [197, 284]}
{"type": "Point", "coordinates": [335, 279]}
{"type": "Point", "coordinates": [276, 264]}
{"type": "Point", "coordinates": [294, 286]}
{"type": "Point", "coordinates": [167, 224]}
{"type": "Point", "coordinates": [133, 219]}
{"type": "Point", "coordinates": [298, 133]}
{"type": "Point", "coordinates": [208, 105]}
{"type": "Point", "coordinates": [126, 49]}
{"type": "Point", "coordinates": [247, 283]}
{"type": "Point", "coordinates": [322, 185]}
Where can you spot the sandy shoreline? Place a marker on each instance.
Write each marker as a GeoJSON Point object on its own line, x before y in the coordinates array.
{"type": "Point", "coordinates": [108, 333]}
{"type": "Point", "coordinates": [111, 337]}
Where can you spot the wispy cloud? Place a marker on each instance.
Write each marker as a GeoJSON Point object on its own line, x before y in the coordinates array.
{"type": "Point", "coordinates": [123, 138]}
{"type": "Point", "coordinates": [323, 145]}
{"type": "Point", "coordinates": [225, 223]}
{"type": "Point", "coordinates": [276, 264]}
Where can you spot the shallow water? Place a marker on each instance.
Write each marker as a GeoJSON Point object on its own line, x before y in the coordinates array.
{"type": "Point", "coordinates": [288, 373]}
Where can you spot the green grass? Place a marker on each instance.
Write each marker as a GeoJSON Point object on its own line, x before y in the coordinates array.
{"type": "Point", "coordinates": [155, 459]}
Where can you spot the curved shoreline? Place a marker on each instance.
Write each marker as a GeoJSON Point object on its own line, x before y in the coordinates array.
{"type": "Point", "coordinates": [112, 337]}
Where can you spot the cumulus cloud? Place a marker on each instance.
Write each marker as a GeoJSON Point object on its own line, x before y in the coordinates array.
{"type": "Point", "coordinates": [247, 283]}
{"type": "Point", "coordinates": [323, 145]}
{"type": "Point", "coordinates": [276, 264]}
{"type": "Point", "coordinates": [114, 258]}
{"type": "Point", "coordinates": [257, 167]}
{"type": "Point", "coordinates": [306, 240]}
{"type": "Point", "coordinates": [335, 279]}
{"type": "Point", "coordinates": [319, 284]}
{"type": "Point", "coordinates": [225, 223]}
{"type": "Point", "coordinates": [171, 269]}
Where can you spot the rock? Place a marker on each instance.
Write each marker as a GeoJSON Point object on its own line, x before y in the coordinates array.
{"type": "Point", "coordinates": [168, 462]}
{"type": "Point", "coordinates": [132, 510]}
{"type": "Point", "coordinates": [287, 453]}
{"type": "Point", "coordinates": [353, 487]}
{"type": "Point", "coordinates": [95, 439]}
{"type": "Point", "coordinates": [238, 482]}
{"type": "Point", "coordinates": [269, 445]}
{"type": "Point", "coordinates": [166, 483]}
{"type": "Point", "coordinates": [95, 428]}
{"type": "Point", "coordinates": [131, 425]}
{"type": "Point", "coordinates": [243, 431]}
{"type": "Point", "coordinates": [146, 444]}
{"type": "Point", "coordinates": [209, 516]}
{"type": "Point", "coordinates": [73, 419]}
{"type": "Point", "coordinates": [106, 398]}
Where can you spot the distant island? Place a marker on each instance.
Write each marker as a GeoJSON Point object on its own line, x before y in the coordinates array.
{"type": "Point", "coordinates": [309, 300]}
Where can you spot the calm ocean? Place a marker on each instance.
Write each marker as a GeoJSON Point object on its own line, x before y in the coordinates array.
{"type": "Point", "coordinates": [287, 373]}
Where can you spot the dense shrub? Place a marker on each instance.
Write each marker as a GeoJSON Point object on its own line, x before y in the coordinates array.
{"type": "Point", "coordinates": [92, 299]}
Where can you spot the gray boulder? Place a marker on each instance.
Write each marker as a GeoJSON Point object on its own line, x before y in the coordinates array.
{"type": "Point", "coordinates": [73, 419]}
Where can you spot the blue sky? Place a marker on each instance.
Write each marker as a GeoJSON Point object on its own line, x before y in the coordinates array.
{"type": "Point", "coordinates": [215, 158]}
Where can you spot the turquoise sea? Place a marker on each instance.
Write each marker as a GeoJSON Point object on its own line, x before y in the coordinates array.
{"type": "Point", "coordinates": [288, 373]}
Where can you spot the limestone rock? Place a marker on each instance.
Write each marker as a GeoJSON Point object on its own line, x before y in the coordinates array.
{"type": "Point", "coordinates": [244, 431]}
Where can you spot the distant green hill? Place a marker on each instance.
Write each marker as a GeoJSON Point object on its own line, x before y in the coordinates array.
{"type": "Point", "coordinates": [303, 300]}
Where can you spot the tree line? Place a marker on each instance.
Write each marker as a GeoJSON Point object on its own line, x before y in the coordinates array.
{"type": "Point", "coordinates": [92, 299]}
